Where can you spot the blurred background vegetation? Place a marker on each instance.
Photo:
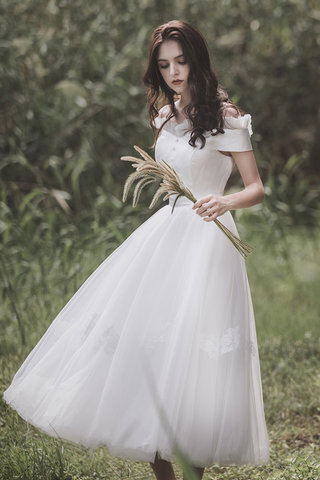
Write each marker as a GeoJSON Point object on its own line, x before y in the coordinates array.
{"type": "Point", "coordinates": [72, 103]}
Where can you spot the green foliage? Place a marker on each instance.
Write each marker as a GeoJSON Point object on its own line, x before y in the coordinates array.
{"type": "Point", "coordinates": [292, 199]}
{"type": "Point", "coordinates": [73, 101]}
{"type": "Point", "coordinates": [67, 79]}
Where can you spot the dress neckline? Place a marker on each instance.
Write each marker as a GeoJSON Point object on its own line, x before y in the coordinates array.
{"type": "Point", "coordinates": [181, 124]}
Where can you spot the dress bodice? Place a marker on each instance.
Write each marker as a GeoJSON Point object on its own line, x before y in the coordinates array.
{"type": "Point", "coordinates": [205, 170]}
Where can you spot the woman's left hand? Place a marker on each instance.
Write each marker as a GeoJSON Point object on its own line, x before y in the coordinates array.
{"type": "Point", "coordinates": [211, 207]}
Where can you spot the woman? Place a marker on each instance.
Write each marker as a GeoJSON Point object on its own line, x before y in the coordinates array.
{"type": "Point", "coordinates": [157, 350]}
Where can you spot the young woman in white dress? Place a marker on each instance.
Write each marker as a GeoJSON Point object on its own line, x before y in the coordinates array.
{"type": "Point", "coordinates": [178, 52]}
{"type": "Point", "coordinates": [167, 319]}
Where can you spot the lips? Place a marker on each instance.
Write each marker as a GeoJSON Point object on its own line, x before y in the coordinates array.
{"type": "Point", "coordinates": [177, 82]}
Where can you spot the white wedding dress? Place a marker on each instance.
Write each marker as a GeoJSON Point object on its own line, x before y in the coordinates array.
{"type": "Point", "coordinates": [158, 347]}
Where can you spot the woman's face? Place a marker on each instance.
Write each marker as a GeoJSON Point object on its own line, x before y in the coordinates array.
{"type": "Point", "coordinates": [172, 66]}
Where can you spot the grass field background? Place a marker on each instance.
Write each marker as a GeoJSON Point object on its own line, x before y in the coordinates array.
{"type": "Point", "coordinates": [285, 283]}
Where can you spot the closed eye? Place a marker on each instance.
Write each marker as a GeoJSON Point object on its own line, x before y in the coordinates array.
{"type": "Point", "coordinates": [166, 66]}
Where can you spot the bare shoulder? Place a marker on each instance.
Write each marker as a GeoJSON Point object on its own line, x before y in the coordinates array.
{"type": "Point", "coordinates": [230, 110]}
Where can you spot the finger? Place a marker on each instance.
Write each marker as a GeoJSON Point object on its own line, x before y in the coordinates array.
{"type": "Point", "coordinates": [199, 210]}
{"type": "Point", "coordinates": [211, 204]}
{"type": "Point", "coordinates": [211, 217]}
{"type": "Point", "coordinates": [211, 211]}
{"type": "Point", "coordinates": [204, 212]}
{"type": "Point", "coordinates": [204, 208]}
{"type": "Point", "coordinates": [197, 204]}
{"type": "Point", "coordinates": [200, 202]}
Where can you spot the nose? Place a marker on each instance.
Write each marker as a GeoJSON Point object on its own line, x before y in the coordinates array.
{"type": "Point", "coordinates": [173, 68]}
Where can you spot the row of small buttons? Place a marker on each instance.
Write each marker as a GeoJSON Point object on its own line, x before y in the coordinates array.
{"type": "Point", "coordinates": [177, 140]}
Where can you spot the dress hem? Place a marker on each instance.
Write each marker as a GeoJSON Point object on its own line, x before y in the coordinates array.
{"type": "Point", "coordinates": [135, 454]}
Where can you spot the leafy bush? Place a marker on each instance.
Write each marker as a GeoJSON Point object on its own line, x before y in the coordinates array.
{"type": "Point", "coordinates": [73, 102]}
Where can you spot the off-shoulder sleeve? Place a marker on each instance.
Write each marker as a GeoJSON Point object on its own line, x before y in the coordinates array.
{"type": "Point", "coordinates": [161, 118]}
{"type": "Point", "coordinates": [158, 121]}
{"type": "Point", "coordinates": [236, 138]}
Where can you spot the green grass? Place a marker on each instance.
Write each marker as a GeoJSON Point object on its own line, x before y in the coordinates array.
{"type": "Point", "coordinates": [285, 284]}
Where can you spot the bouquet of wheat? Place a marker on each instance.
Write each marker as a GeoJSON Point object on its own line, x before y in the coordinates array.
{"type": "Point", "coordinates": [148, 171]}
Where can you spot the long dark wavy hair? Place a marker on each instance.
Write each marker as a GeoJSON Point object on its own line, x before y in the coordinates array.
{"type": "Point", "coordinates": [208, 97]}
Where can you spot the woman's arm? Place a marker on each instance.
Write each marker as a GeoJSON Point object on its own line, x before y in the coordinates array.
{"type": "Point", "coordinates": [212, 206]}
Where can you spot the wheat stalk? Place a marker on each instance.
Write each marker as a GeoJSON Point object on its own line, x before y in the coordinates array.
{"type": "Point", "coordinates": [148, 171]}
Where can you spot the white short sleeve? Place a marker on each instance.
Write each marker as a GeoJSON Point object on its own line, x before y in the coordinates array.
{"type": "Point", "coordinates": [237, 134]}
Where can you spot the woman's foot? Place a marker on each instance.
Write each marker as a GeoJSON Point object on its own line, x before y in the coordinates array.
{"type": "Point", "coordinates": [163, 470]}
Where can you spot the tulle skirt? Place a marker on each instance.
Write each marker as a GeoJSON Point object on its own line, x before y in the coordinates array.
{"type": "Point", "coordinates": [157, 350]}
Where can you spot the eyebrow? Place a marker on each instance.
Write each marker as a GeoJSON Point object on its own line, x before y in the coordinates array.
{"type": "Point", "coordinates": [164, 59]}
